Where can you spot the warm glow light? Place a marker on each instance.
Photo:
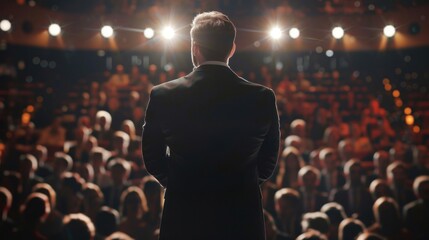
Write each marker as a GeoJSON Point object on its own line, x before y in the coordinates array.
{"type": "Point", "coordinates": [416, 129]}
{"type": "Point", "coordinates": [388, 87]}
{"type": "Point", "coordinates": [276, 33]}
{"type": "Point", "coordinates": [409, 120]}
{"type": "Point", "coordinates": [149, 33]}
{"type": "Point", "coordinates": [168, 33]}
{"type": "Point", "coordinates": [389, 31]}
{"type": "Point", "coordinates": [25, 118]}
{"type": "Point", "coordinates": [407, 111]}
{"type": "Point", "coordinates": [5, 25]}
{"type": "Point", "coordinates": [106, 31]}
{"type": "Point", "coordinates": [396, 93]}
{"type": "Point", "coordinates": [338, 32]}
{"type": "Point", "coordinates": [398, 102]}
{"type": "Point", "coordinates": [386, 81]}
{"type": "Point", "coordinates": [294, 33]}
{"type": "Point", "coordinates": [54, 29]}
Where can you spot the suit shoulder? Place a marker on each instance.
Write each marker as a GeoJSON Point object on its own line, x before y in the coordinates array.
{"type": "Point", "coordinates": [166, 87]}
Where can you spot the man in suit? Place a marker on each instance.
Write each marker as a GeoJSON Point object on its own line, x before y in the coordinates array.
{"type": "Point", "coordinates": [313, 200]}
{"type": "Point", "coordinates": [211, 138]}
{"type": "Point", "coordinates": [416, 212]}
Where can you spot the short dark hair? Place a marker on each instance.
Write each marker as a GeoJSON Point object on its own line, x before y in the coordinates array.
{"type": "Point", "coordinates": [214, 33]}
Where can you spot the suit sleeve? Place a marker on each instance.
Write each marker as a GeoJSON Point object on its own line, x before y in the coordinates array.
{"type": "Point", "coordinates": [268, 153]}
{"type": "Point", "coordinates": [153, 142]}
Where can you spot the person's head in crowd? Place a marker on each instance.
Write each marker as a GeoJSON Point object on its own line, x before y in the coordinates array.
{"type": "Point", "coordinates": [133, 203]}
{"type": "Point", "coordinates": [293, 141]}
{"type": "Point", "coordinates": [353, 172]}
{"type": "Point", "coordinates": [331, 137]}
{"type": "Point", "coordinates": [336, 214]}
{"type": "Point", "coordinates": [346, 149]}
{"type": "Point", "coordinates": [370, 236]}
{"type": "Point", "coordinates": [35, 209]}
{"type": "Point", "coordinates": [153, 192]}
{"type": "Point", "coordinates": [78, 226]}
{"type": "Point", "coordinates": [315, 160]}
{"type": "Point", "coordinates": [12, 181]}
{"type": "Point", "coordinates": [421, 188]}
{"type": "Point", "coordinates": [317, 221]}
{"type": "Point", "coordinates": [106, 221]}
{"type": "Point", "coordinates": [71, 193]}
{"type": "Point", "coordinates": [387, 215]}
{"type": "Point", "coordinates": [290, 163]}
{"type": "Point", "coordinates": [329, 159]}
{"type": "Point", "coordinates": [381, 160]}
{"type": "Point", "coordinates": [41, 154]}
{"type": "Point", "coordinates": [103, 120]}
{"type": "Point", "coordinates": [298, 128]}
{"type": "Point", "coordinates": [119, 236]}
{"type": "Point", "coordinates": [312, 235]}
{"type": "Point", "coordinates": [397, 152]}
{"type": "Point", "coordinates": [27, 166]}
{"type": "Point", "coordinates": [380, 188]}
{"type": "Point", "coordinates": [93, 199]}
{"type": "Point", "coordinates": [91, 143]}
{"type": "Point", "coordinates": [420, 155]}
{"type": "Point", "coordinates": [396, 173]}
{"type": "Point", "coordinates": [62, 163]}
{"type": "Point", "coordinates": [47, 190]}
{"type": "Point", "coordinates": [309, 178]}
{"type": "Point", "coordinates": [120, 170]}
{"type": "Point", "coordinates": [121, 142]}
{"type": "Point", "coordinates": [5, 202]}
{"type": "Point", "coordinates": [212, 38]}
{"type": "Point", "coordinates": [98, 157]}
{"type": "Point", "coordinates": [129, 128]}
{"type": "Point", "coordinates": [81, 134]}
{"type": "Point", "coordinates": [86, 171]}
{"type": "Point", "coordinates": [350, 228]}
{"type": "Point", "coordinates": [287, 203]}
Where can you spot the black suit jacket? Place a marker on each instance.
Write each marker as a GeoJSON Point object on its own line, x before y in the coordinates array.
{"type": "Point", "coordinates": [210, 138]}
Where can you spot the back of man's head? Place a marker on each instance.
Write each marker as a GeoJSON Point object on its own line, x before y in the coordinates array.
{"type": "Point", "coordinates": [214, 33]}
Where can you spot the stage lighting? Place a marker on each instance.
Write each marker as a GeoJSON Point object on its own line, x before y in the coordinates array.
{"type": "Point", "coordinates": [5, 25]}
{"type": "Point", "coordinates": [54, 29]}
{"type": "Point", "coordinates": [107, 31]}
{"type": "Point", "coordinates": [338, 32]}
{"type": "Point", "coordinates": [276, 33]}
{"type": "Point", "coordinates": [149, 33]}
{"type": "Point", "coordinates": [389, 31]}
{"type": "Point", "coordinates": [294, 33]}
{"type": "Point", "coordinates": [168, 33]}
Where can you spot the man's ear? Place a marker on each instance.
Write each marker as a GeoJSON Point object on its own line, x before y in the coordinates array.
{"type": "Point", "coordinates": [195, 48]}
{"type": "Point", "coordinates": [232, 50]}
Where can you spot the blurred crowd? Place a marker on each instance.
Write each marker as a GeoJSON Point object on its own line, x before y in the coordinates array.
{"type": "Point", "coordinates": [345, 170]}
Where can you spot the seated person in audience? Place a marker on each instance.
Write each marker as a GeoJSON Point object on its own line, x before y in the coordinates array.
{"type": "Point", "coordinates": [101, 130]}
{"type": "Point", "coordinates": [331, 137]}
{"type": "Point", "coordinates": [27, 169]}
{"type": "Point", "coordinates": [93, 200]}
{"type": "Point", "coordinates": [11, 180]}
{"type": "Point", "coordinates": [416, 213]}
{"type": "Point", "coordinates": [119, 79]}
{"type": "Point", "coordinates": [420, 162]}
{"type": "Point", "coordinates": [85, 171]}
{"type": "Point", "coordinates": [354, 196]}
{"type": "Point", "coordinates": [313, 200]}
{"type": "Point", "coordinates": [331, 174]}
{"type": "Point", "coordinates": [121, 141]}
{"type": "Point", "coordinates": [350, 228]}
{"type": "Point", "coordinates": [268, 190]}
{"type": "Point", "coordinates": [380, 160]}
{"type": "Point", "coordinates": [34, 211]}
{"type": "Point", "coordinates": [298, 127]}
{"type": "Point", "coordinates": [398, 152]}
{"type": "Point", "coordinates": [119, 172]}
{"type": "Point", "coordinates": [78, 150]}
{"type": "Point", "coordinates": [363, 146]}
{"type": "Point", "coordinates": [288, 211]}
{"type": "Point", "coordinates": [43, 170]}
{"type": "Point", "coordinates": [346, 150]}
{"type": "Point", "coordinates": [388, 222]}
{"type": "Point", "coordinates": [399, 183]}
{"type": "Point", "coordinates": [25, 140]}
{"type": "Point", "coordinates": [62, 163]}
{"type": "Point", "coordinates": [153, 192]}
{"type": "Point", "coordinates": [314, 159]}
{"type": "Point", "coordinates": [271, 231]}
{"type": "Point", "coordinates": [78, 226]}
{"type": "Point", "coordinates": [70, 194]}
{"type": "Point", "coordinates": [53, 135]}
{"type": "Point", "coordinates": [133, 207]}
{"type": "Point", "coordinates": [370, 236]}
{"type": "Point", "coordinates": [312, 235]}
{"type": "Point", "coordinates": [51, 227]}
{"type": "Point", "coordinates": [336, 214]}
{"type": "Point", "coordinates": [7, 225]}
{"type": "Point", "coordinates": [98, 159]}
{"type": "Point", "coordinates": [317, 221]}
{"type": "Point", "coordinates": [380, 188]}
{"type": "Point", "coordinates": [106, 222]}
{"type": "Point", "coordinates": [121, 236]}
{"type": "Point", "coordinates": [289, 164]}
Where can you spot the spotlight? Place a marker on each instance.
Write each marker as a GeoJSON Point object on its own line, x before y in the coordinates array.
{"type": "Point", "coordinates": [276, 33]}
{"type": "Point", "coordinates": [168, 33]}
{"type": "Point", "coordinates": [5, 25]}
{"type": "Point", "coordinates": [54, 29]}
{"type": "Point", "coordinates": [149, 33]}
{"type": "Point", "coordinates": [107, 31]}
{"type": "Point", "coordinates": [389, 31]}
{"type": "Point", "coordinates": [338, 32]}
{"type": "Point", "coordinates": [294, 33]}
